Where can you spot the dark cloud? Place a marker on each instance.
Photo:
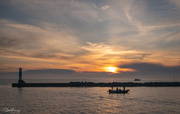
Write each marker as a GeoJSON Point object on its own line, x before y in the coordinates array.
{"type": "Point", "coordinates": [39, 74]}
{"type": "Point", "coordinates": [50, 71]}
{"type": "Point", "coordinates": [13, 52]}
{"type": "Point", "coordinates": [56, 73]}
{"type": "Point", "coordinates": [74, 68]}
{"type": "Point", "coordinates": [8, 42]}
{"type": "Point", "coordinates": [17, 36]}
{"type": "Point", "coordinates": [153, 70]}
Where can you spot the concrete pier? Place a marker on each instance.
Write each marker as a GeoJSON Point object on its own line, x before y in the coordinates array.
{"type": "Point", "coordinates": [92, 84]}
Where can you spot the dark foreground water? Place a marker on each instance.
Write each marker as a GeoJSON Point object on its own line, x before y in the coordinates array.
{"type": "Point", "coordinates": [67, 100]}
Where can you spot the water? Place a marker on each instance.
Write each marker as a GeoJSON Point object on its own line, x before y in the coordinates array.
{"type": "Point", "coordinates": [65, 100]}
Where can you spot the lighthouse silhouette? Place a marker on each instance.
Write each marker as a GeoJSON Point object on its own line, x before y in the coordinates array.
{"type": "Point", "coordinates": [20, 76]}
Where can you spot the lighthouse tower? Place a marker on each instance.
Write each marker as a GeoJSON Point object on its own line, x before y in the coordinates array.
{"type": "Point", "coordinates": [20, 76]}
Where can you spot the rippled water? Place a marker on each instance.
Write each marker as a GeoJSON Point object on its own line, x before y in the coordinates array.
{"type": "Point", "coordinates": [65, 100]}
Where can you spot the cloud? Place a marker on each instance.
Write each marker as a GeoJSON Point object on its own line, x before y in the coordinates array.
{"type": "Point", "coordinates": [41, 73]}
{"type": "Point", "coordinates": [140, 17]}
{"type": "Point", "coordinates": [175, 2]}
{"type": "Point", "coordinates": [76, 17]}
{"type": "Point", "coordinates": [153, 69]}
{"type": "Point", "coordinates": [101, 54]}
{"type": "Point", "coordinates": [103, 49]}
{"type": "Point", "coordinates": [68, 13]}
{"type": "Point", "coordinates": [105, 7]}
{"type": "Point", "coordinates": [46, 43]}
{"type": "Point", "coordinates": [50, 71]}
{"type": "Point", "coordinates": [35, 41]}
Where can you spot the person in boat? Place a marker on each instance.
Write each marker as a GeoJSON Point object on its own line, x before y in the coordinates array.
{"type": "Point", "coordinates": [118, 89]}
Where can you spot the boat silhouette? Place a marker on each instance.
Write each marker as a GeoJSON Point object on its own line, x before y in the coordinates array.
{"type": "Point", "coordinates": [136, 79]}
{"type": "Point", "coordinates": [118, 90]}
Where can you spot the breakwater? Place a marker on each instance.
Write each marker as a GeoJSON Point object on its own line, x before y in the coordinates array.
{"type": "Point", "coordinates": [92, 84]}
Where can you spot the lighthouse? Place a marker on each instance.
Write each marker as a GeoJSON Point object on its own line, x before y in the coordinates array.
{"type": "Point", "coordinates": [20, 76]}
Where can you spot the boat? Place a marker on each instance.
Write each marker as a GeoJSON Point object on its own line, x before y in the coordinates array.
{"type": "Point", "coordinates": [136, 79]}
{"type": "Point", "coordinates": [118, 90]}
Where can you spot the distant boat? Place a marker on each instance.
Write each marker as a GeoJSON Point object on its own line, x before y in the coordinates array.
{"type": "Point", "coordinates": [136, 79]}
{"type": "Point", "coordinates": [118, 90]}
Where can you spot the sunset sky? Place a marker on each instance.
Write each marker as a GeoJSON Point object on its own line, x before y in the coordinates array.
{"type": "Point", "coordinates": [89, 35]}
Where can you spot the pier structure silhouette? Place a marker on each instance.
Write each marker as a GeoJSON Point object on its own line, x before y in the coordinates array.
{"type": "Point", "coordinates": [22, 83]}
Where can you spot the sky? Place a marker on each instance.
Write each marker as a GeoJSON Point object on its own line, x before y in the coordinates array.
{"type": "Point", "coordinates": [100, 37]}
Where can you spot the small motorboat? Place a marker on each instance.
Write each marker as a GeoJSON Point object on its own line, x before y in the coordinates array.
{"type": "Point", "coordinates": [136, 79]}
{"type": "Point", "coordinates": [118, 90]}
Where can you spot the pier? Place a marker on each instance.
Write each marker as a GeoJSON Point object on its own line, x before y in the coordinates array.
{"type": "Point", "coordinates": [92, 84]}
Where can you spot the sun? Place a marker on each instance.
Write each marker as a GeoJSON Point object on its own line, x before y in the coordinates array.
{"type": "Point", "coordinates": [111, 69]}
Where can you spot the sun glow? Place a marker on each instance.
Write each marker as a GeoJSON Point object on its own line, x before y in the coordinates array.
{"type": "Point", "coordinates": [111, 69]}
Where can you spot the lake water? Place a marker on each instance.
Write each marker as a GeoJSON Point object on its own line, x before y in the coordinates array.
{"type": "Point", "coordinates": [94, 100]}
